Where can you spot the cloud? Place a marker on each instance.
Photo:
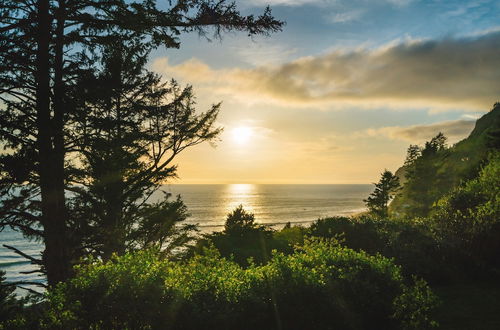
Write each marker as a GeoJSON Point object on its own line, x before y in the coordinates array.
{"type": "Point", "coordinates": [454, 130]}
{"type": "Point", "coordinates": [347, 16]}
{"type": "Point", "coordinates": [450, 73]}
{"type": "Point", "coordinates": [264, 53]}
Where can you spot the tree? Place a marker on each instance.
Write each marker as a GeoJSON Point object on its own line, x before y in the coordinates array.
{"type": "Point", "coordinates": [44, 47]}
{"type": "Point", "coordinates": [239, 220]}
{"type": "Point", "coordinates": [379, 199]}
{"type": "Point", "coordinates": [437, 143]}
{"type": "Point", "coordinates": [129, 130]}
{"type": "Point", "coordinates": [412, 154]}
{"type": "Point", "coordinates": [423, 185]}
{"type": "Point", "coordinates": [242, 239]}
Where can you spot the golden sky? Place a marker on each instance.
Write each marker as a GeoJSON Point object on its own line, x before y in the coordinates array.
{"type": "Point", "coordinates": [339, 95]}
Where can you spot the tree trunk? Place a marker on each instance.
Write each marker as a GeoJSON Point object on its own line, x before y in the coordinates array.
{"type": "Point", "coordinates": [51, 169]}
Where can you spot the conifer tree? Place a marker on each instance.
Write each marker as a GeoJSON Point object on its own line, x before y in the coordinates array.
{"type": "Point", "coordinates": [378, 201]}
{"type": "Point", "coordinates": [129, 130]}
{"type": "Point", "coordinates": [45, 46]}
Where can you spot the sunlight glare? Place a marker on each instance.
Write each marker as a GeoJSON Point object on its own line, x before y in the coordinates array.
{"type": "Point", "coordinates": [242, 134]}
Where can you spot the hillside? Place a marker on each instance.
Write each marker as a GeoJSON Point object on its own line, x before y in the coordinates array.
{"type": "Point", "coordinates": [439, 169]}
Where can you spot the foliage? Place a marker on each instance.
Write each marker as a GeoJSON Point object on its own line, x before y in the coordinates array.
{"type": "Point", "coordinates": [18, 312]}
{"type": "Point", "coordinates": [46, 47]}
{"type": "Point", "coordinates": [415, 304]}
{"type": "Point", "coordinates": [435, 170]}
{"type": "Point", "coordinates": [9, 305]}
{"type": "Point", "coordinates": [423, 179]}
{"type": "Point", "coordinates": [358, 234]}
{"type": "Point", "coordinates": [239, 220]}
{"type": "Point", "coordinates": [129, 129]}
{"type": "Point", "coordinates": [468, 218]}
{"type": "Point", "coordinates": [242, 239]}
{"type": "Point", "coordinates": [411, 244]}
{"type": "Point", "coordinates": [384, 192]}
{"type": "Point", "coordinates": [412, 154]}
{"type": "Point", "coordinates": [320, 286]}
{"type": "Point", "coordinates": [288, 237]}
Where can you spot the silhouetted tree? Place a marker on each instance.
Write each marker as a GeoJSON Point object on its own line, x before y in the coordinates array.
{"type": "Point", "coordinates": [412, 154]}
{"type": "Point", "coordinates": [379, 199]}
{"type": "Point", "coordinates": [130, 128]}
{"type": "Point", "coordinates": [44, 46]}
{"type": "Point", "coordinates": [436, 144]}
{"type": "Point", "coordinates": [423, 179]}
{"type": "Point", "coordinates": [239, 220]}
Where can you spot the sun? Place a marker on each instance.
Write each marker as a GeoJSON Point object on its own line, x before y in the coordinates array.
{"type": "Point", "coordinates": [242, 135]}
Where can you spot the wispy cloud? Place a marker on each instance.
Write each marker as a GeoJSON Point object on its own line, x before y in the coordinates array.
{"type": "Point", "coordinates": [454, 130]}
{"type": "Point", "coordinates": [445, 73]}
{"type": "Point", "coordinates": [264, 53]}
{"type": "Point", "coordinates": [346, 16]}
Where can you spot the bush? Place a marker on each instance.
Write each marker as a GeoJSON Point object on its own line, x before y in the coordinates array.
{"type": "Point", "coordinates": [468, 218]}
{"type": "Point", "coordinates": [362, 233]}
{"type": "Point", "coordinates": [287, 238]}
{"type": "Point", "coordinates": [409, 242]}
{"type": "Point", "coordinates": [413, 246]}
{"type": "Point", "coordinates": [320, 286]}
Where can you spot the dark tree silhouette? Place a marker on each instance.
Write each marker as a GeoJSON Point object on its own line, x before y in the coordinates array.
{"type": "Point", "coordinates": [379, 199]}
{"type": "Point", "coordinates": [412, 154]}
{"type": "Point", "coordinates": [436, 144]}
{"type": "Point", "coordinates": [128, 131]}
{"type": "Point", "coordinates": [423, 179]}
{"type": "Point", "coordinates": [239, 220]}
{"type": "Point", "coordinates": [44, 47]}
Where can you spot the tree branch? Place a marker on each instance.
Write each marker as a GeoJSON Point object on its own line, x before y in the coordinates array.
{"type": "Point", "coordinates": [19, 252]}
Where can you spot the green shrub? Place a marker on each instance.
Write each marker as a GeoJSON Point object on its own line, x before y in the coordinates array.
{"type": "Point", "coordinates": [320, 286]}
{"type": "Point", "coordinates": [362, 233]}
{"type": "Point", "coordinates": [409, 242]}
{"type": "Point", "coordinates": [288, 237]}
{"type": "Point", "coordinates": [468, 218]}
{"type": "Point", "coordinates": [413, 246]}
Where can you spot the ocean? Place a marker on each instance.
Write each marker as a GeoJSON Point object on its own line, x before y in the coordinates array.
{"type": "Point", "coordinates": [272, 205]}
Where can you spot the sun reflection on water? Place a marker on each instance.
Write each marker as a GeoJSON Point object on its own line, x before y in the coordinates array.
{"type": "Point", "coordinates": [240, 193]}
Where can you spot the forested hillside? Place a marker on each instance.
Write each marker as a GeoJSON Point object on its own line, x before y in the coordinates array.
{"type": "Point", "coordinates": [433, 170]}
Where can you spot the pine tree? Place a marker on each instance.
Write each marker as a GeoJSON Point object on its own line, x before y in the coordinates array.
{"type": "Point", "coordinates": [412, 154]}
{"type": "Point", "coordinates": [44, 47]}
{"type": "Point", "coordinates": [130, 128]}
{"type": "Point", "coordinates": [378, 201]}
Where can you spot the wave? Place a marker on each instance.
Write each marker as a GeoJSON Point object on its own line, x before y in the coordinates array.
{"type": "Point", "coordinates": [13, 263]}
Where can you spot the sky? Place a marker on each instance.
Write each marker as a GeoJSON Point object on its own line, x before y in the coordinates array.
{"type": "Point", "coordinates": [341, 92]}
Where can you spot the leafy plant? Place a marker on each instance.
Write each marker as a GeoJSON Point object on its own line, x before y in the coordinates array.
{"type": "Point", "coordinates": [322, 286]}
